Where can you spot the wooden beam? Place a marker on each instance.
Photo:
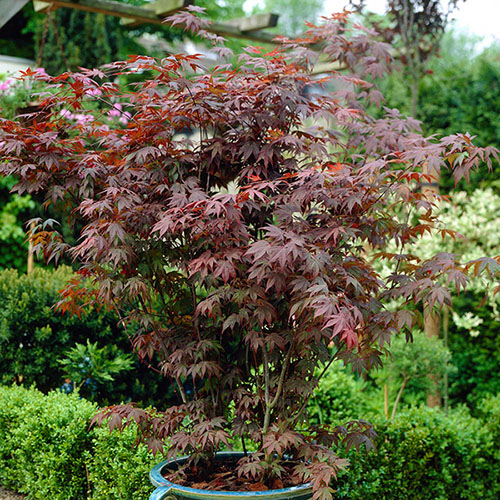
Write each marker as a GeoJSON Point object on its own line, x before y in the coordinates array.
{"type": "Point", "coordinates": [110, 8]}
{"type": "Point", "coordinates": [254, 23]}
{"type": "Point", "coordinates": [9, 8]}
{"type": "Point", "coordinates": [161, 8]}
{"type": "Point", "coordinates": [141, 14]}
{"type": "Point", "coordinates": [326, 67]}
{"type": "Point", "coordinates": [227, 30]}
{"type": "Point", "coordinates": [166, 7]}
{"type": "Point", "coordinates": [40, 6]}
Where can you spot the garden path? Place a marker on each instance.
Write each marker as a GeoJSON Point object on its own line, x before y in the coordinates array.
{"type": "Point", "coordinates": [10, 495]}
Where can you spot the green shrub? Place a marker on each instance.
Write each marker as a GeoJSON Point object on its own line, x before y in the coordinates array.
{"type": "Point", "coordinates": [489, 412]}
{"type": "Point", "coordinates": [338, 397]}
{"type": "Point", "coordinates": [48, 452]}
{"type": "Point", "coordinates": [476, 357]}
{"type": "Point", "coordinates": [34, 337]}
{"type": "Point", "coordinates": [117, 469]}
{"type": "Point", "coordinates": [44, 439]}
{"type": "Point", "coordinates": [425, 455]}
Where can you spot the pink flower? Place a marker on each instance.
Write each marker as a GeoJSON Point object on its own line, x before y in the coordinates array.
{"type": "Point", "coordinates": [81, 119]}
{"type": "Point", "coordinates": [93, 92]}
{"type": "Point", "coordinates": [66, 113]}
{"type": "Point", "coordinates": [6, 84]}
{"type": "Point", "coordinates": [116, 110]}
{"type": "Point", "coordinates": [125, 118]}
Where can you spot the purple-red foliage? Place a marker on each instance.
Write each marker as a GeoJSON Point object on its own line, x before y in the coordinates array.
{"type": "Point", "coordinates": [235, 218]}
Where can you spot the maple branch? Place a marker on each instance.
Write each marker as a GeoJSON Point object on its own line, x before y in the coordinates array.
{"type": "Point", "coordinates": [122, 113]}
{"type": "Point", "coordinates": [266, 380]}
{"type": "Point", "coordinates": [165, 307]}
{"type": "Point", "coordinates": [316, 383]}
{"type": "Point", "coordinates": [182, 391]}
{"type": "Point", "coordinates": [271, 404]}
{"type": "Point", "coordinates": [284, 369]}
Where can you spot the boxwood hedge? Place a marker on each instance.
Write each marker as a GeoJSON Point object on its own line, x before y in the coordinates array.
{"type": "Point", "coordinates": [48, 451]}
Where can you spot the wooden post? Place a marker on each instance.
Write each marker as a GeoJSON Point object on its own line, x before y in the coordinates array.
{"type": "Point", "coordinates": [432, 319]}
{"type": "Point", "coordinates": [31, 257]}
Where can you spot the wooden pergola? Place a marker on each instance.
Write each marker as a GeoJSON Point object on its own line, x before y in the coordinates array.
{"type": "Point", "coordinates": [251, 27]}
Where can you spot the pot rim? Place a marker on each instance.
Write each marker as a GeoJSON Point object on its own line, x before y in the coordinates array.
{"type": "Point", "coordinates": [159, 481]}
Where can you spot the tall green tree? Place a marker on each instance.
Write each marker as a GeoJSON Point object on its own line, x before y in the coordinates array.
{"type": "Point", "coordinates": [415, 29]}
{"type": "Point", "coordinates": [460, 92]}
{"type": "Point", "coordinates": [76, 39]}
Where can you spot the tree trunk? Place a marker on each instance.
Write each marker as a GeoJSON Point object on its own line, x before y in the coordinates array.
{"type": "Point", "coordinates": [432, 326]}
{"type": "Point", "coordinates": [446, 326]}
{"type": "Point", "coordinates": [414, 97]}
{"type": "Point", "coordinates": [432, 319]}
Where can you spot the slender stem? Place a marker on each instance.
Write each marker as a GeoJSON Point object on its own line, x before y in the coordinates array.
{"type": "Point", "coordinates": [267, 410]}
{"type": "Point", "coordinates": [195, 305]}
{"type": "Point", "coordinates": [284, 369]}
{"type": "Point", "coordinates": [398, 397]}
{"type": "Point", "coordinates": [386, 401]}
{"type": "Point", "coordinates": [244, 446]}
{"type": "Point", "coordinates": [270, 404]}
{"type": "Point", "coordinates": [316, 382]}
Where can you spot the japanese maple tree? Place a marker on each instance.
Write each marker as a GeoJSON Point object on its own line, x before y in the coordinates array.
{"type": "Point", "coordinates": [236, 218]}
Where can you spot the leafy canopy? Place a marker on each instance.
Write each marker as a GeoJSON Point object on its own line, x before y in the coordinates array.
{"type": "Point", "coordinates": [234, 218]}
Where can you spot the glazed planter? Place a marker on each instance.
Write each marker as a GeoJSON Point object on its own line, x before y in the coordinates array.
{"type": "Point", "coordinates": [167, 490]}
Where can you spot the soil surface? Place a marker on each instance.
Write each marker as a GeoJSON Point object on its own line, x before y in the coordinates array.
{"type": "Point", "coordinates": [224, 478]}
{"type": "Point", "coordinates": [10, 495]}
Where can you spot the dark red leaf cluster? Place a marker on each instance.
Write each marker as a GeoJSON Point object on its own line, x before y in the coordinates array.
{"type": "Point", "coordinates": [236, 219]}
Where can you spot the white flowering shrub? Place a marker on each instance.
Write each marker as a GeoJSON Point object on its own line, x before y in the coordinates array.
{"type": "Point", "coordinates": [476, 218]}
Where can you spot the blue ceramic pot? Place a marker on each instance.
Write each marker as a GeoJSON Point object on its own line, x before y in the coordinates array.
{"type": "Point", "coordinates": [170, 491]}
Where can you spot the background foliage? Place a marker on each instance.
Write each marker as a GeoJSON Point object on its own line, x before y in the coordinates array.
{"type": "Point", "coordinates": [473, 331]}
{"type": "Point", "coordinates": [14, 210]}
{"type": "Point", "coordinates": [47, 450]}
{"type": "Point", "coordinates": [34, 338]}
{"type": "Point", "coordinates": [459, 92]}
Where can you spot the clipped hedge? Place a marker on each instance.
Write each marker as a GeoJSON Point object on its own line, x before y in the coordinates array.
{"type": "Point", "coordinates": [117, 469]}
{"type": "Point", "coordinates": [48, 452]}
{"type": "Point", "coordinates": [427, 455]}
